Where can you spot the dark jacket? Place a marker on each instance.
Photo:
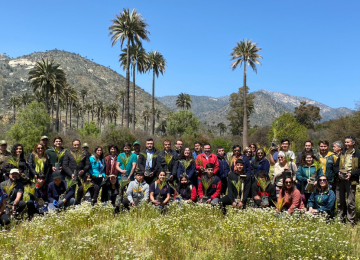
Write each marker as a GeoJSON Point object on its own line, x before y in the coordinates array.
{"type": "Point", "coordinates": [355, 162]}
{"type": "Point", "coordinates": [142, 162]}
{"type": "Point", "coordinates": [53, 156]}
{"type": "Point", "coordinates": [224, 168]}
{"type": "Point", "coordinates": [93, 190]}
{"type": "Point", "coordinates": [32, 165]}
{"type": "Point", "coordinates": [161, 163]}
{"type": "Point", "coordinates": [108, 193]}
{"type": "Point", "coordinates": [41, 193]}
{"type": "Point", "coordinates": [247, 165]}
{"type": "Point", "coordinates": [262, 165]}
{"type": "Point", "coordinates": [69, 164]}
{"type": "Point", "coordinates": [19, 188]}
{"type": "Point", "coordinates": [22, 167]}
{"type": "Point", "coordinates": [54, 192]}
{"type": "Point", "coordinates": [270, 191]}
{"type": "Point", "coordinates": [245, 192]}
{"type": "Point", "coordinates": [190, 170]}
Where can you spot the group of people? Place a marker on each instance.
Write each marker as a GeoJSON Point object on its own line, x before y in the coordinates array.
{"type": "Point", "coordinates": [54, 178]}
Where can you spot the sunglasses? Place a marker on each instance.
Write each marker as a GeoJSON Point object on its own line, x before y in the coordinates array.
{"type": "Point", "coordinates": [236, 151]}
{"type": "Point", "coordinates": [288, 182]}
{"type": "Point", "coordinates": [260, 153]}
{"type": "Point", "coordinates": [322, 180]}
{"type": "Point", "coordinates": [281, 157]}
{"type": "Point", "coordinates": [248, 152]}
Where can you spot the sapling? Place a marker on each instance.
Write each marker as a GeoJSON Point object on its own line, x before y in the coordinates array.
{"type": "Point", "coordinates": [161, 185]}
{"type": "Point", "coordinates": [69, 183]}
{"type": "Point", "coordinates": [78, 157]}
{"type": "Point", "coordinates": [39, 164]}
{"type": "Point", "coordinates": [206, 184]}
{"type": "Point", "coordinates": [86, 185]}
{"type": "Point", "coordinates": [168, 157]}
{"type": "Point", "coordinates": [263, 185]}
{"type": "Point", "coordinates": [59, 155]}
{"type": "Point", "coordinates": [14, 161]}
{"type": "Point", "coordinates": [238, 186]}
{"type": "Point", "coordinates": [125, 161]}
{"type": "Point", "coordinates": [279, 204]}
{"type": "Point", "coordinates": [186, 164]}
{"type": "Point", "coordinates": [148, 159]}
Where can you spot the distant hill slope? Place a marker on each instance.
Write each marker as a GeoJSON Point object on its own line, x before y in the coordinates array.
{"type": "Point", "coordinates": [102, 83]}
{"type": "Point", "coordinates": [268, 105]}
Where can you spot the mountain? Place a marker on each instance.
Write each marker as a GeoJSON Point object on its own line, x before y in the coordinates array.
{"type": "Point", "coordinates": [102, 83]}
{"type": "Point", "coordinates": [267, 106]}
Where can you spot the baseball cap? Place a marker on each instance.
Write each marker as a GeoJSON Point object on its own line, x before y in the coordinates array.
{"type": "Point", "coordinates": [85, 145]}
{"type": "Point", "coordinates": [14, 170]}
{"type": "Point", "coordinates": [44, 137]}
{"type": "Point", "coordinates": [3, 142]}
{"type": "Point", "coordinates": [137, 142]}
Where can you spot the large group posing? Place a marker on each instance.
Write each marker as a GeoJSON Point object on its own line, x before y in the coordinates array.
{"type": "Point", "coordinates": [53, 179]}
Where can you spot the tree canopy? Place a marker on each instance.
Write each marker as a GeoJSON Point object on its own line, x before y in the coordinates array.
{"type": "Point", "coordinates": [307, 115]}
{"type": "Point", "coordinates": [182, 122]}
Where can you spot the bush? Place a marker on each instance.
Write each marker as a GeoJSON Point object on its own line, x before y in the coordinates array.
{"type": "Point", "coordinates": [220, 142]}
{"type": "Point", "coordinates": [117, 135]}
{"type": "Point", "coordinates": [90, 129]}
{"type": "Point", "coordinates": [32, 122]}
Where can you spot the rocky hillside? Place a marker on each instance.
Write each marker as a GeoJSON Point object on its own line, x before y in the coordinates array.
{"type": "Point", "coordinates": [268, 105]}
{"type": "Point", "coordinates": [102, 83]}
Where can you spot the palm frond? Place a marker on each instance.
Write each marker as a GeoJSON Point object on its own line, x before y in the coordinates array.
{"type": "Point", "coordinates": [263, 184]}
{"type": "Point", "coordinates": [14, 161]}
{"type": "Point", "coordinates": [237, 185]}
{"type": "Point", "coordinates": [125, 160]}
{"type": "Point", "coordinates": [28, 190]}
{"type": "Point", "coordinates": [60, 154]}
{"type": "Point", "coordinates": [78, 156]}
{"type": "Point", "coordinates": [8, 188]}
{"type": "Point", "coordinates": [279, 204]}
{"type": "Point", "coordinates": [168, 157]}
{"type": "Point", "coordinates": [39, 164]}
{"type": "Point", "coordinates": [206, 183]}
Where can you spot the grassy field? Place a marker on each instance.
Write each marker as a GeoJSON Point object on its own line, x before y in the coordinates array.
{"type": "Point", "coordinates": [186, 232]}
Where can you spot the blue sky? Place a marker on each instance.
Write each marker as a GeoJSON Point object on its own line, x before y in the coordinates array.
{"type": "Point", "coordinates": [310, 48]}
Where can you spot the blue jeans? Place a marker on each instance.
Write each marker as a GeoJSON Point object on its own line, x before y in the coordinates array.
{"type": "Point", "coordinates": [67, 204]}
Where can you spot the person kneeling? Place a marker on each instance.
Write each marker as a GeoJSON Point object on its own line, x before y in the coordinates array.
{"type": "Point", "coordinates": [185, 191]}
{"type": "Point", "coordinates": [239, 185]}
{"type": "Point", "coordinates": [290, 196]}
{"type": "Point", "coordinates": [88, 191]}
{"type": "Point", "coordinates": [59, 196]}
{"type": "Point", "coordinates": [160, 191]}
{"type": "Point", "coordinates": [4, 218]}
{"type": "Point", "coordinates": [323, 198]}
{"type": "Point", "coordinates": [210, 186]}
{"type": "Point", "coordinates": [38, 201]}
{"type": "Point", "coordinates": [263, 192]}
{"type": "Point", "coordinates": [137, 191]}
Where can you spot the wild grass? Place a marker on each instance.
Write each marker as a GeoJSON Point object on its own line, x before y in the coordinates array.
{"type": "Point", "coordinates": [185, 232]}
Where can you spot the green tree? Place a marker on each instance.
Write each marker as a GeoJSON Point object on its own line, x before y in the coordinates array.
{"type": "Point", "coordinates": [13, 103]}
{"type": "Point", "coordinates": [83, 94]}
{"type": "Point", "coordinates": [221, 142]}
{"type": "Point", "coordinates": [88, 109]}
{"type": "Point", "coordinates": [156, 63]}
{"type": "Point", "coordinates": [307, 115]}
{"type": "Point", "coordinates": [90, 129]}
{"type": "Point", "coordinates": [33, 122]}
{"type": "Point", "coordinates": [245, 52]}
{"type": "Point", "coordinates": [117, 135]}
{"type": "Point", "coordinates": [25, 99]}
{"type": "Point", "coordinates": [139, 61]}
{"type": "Point", "coordinates": [130, 27]}
{"type": "Point", "coordinates": [183, 101]}
{"type": "Point", "coordinates": [286, 126]}
{"type": "Point", "coordinates": [236, 112]}
{"type": "Point", "coordinates": [182, 122]}
{"type": "Point", "coordinates": [222, 127]}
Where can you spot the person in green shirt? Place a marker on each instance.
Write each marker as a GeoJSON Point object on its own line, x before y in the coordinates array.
{"type": "Point", "coordinates": [126, 163]}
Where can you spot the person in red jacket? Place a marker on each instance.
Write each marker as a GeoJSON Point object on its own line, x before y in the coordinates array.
{"type": "Point", "coordinates": [205, 158]}
{"type": "Point", "coordinates": [212, 194]}
{"type": "Point", "coordinates": [110, 161]}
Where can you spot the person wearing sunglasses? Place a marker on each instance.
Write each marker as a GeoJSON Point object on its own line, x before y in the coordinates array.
{"type": "Point", "coordinates": [291, 195]}
{"type": "Point", "coordinates": [323, 198]}
{"type": "Point", "coordinates": [260, 163]}
{"type": "Point", "coordinates": [238, 156]}
{"type": "Point", "coordinates": [281, 167]}
{"type": "Point", "coordinates": [43, 166]}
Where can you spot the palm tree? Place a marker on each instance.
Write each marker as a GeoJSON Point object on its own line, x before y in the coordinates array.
{"type": "Point", "coordinates": [99, 108]}
{"type": "Point", "coordinates": [88, 109]}
{"type": "Point", "coordinates": [59, 90]}
{"type": "Point", "coordinates": [156, 63]}
{"type": "Point", "coordinates": [245, 52]}
{"type": "Point", "coordinates": [138, 58]}
{"type": "Point", "coordinates": [183, 101]}
{"type": "Point", "coordinates": [13, 103]}
{"type": "Point", "coordinates": [77, 109]}
{"type": "Point", "coordinates": [73, 99]}
{"type": "Point", "coordinates": [25, 99]}
{"type": "Point", "coordinates": [44, 76]}
{"type": "Point", "coordinates": [114, 112]}
{"type": "Point", "coordinates": [222, 127]}
{"type": "Point", "coordinates": [131, 27]}
{"type": "Point", "coordinates": [121, 97]}
{"type": "Point", "coordinates": [38, 96]}
{"type": "Point", "coordinates": [83, 94]}
{"type": "Point", "coordinates": [146, 114]}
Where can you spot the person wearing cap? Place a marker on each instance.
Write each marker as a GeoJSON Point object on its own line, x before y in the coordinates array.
{"type": "Point", "coordinates": [282, 166]}
{"type": "Point", "coordinates": [137, 191]}
{"type": "Point", "coordinates": [38, 202]}
{"type": "Point", "coordinates": [44, 141]}
{"type": "Point", "coordinates": [85, 148]}
{"type": "Point", "coordinates": [39, 162]}
{"type": "Point", "coordinates": [131, 159]}
{"type": "Point", "coordinates": [17, 154]}
{"type": "Point", "coordinates": [69, 165]}
{"type": "Point", "coordinates": [14, 198]}
{"type": "Point", "coordinates": [91, 193]}
{"type": "Point", "coordinates": [4, 155]}
{"type": "Point", "coordinates": [110, 190]}
{"type": "Point", "coordinates": [148, 162]}
{"type": "Point", "coordinates": [110, 160]}
{"type": "Point", "coordinates": [57, 188]}
{"type": "Point", "coordinates": [53, 154]}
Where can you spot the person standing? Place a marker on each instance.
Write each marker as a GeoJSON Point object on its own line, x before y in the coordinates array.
{"type": "Point", "coordinates": [203, 159]}
{"type": "Point", "coordinates": [327, 160]}
{"type": "Point", "coordinates": [44, 141]}
{"type": "Point", "coordinates": [224, 168]}
{"type": "Point", "coordinates": [308, 148]}
{"type": "Point", "coordinates": [178, 146]}
{"type": "Point", "coordinates": [281, 167]}
{"type": "Point", "coordinates": [150, 161]}
{"type": "Point", "coordinates": [43, 162]}
{"type": "Point", "coordinates": [17, 154]}
{"type": "Point", "coordinates": [285, 145]}
{"type": "Point", "coordinates": [173, 164]}
{"type": "Point", "coordinates": [97, 169]}
{"type": "Point", "coordinates": [187, 161]}
{"type": "Point", "coordinates": [197, 149]}
{"type": "Point", "coordinates": [130, 159]}
{"type": "Point", "coordinates": [53, 154]}
{"type": "Point", "coordinates": [69, 164]}
{"type": "Point", "coordinates": [348, 162]}
{"type": "Point", "coordinates": [338, 147]}
{"type": "Point", "coordinates": [4, 156]}
{"type": "Point", "coordinates": [110, 161]}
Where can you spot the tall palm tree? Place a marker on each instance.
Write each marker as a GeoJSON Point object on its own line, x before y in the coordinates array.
{"type": "Point", "coordinates": [13, 103]}
{"type": "Point", "coordinates": [38, 96]}
{"type": "Point", "coordinates": [138, 57]}
{"type": "Point", "coordinates": [77, 109]}
{"type": "Point", "coordinates": [44, 76]}
{"type": "Point", "coordinates": [59, 90]}
{"type": "Point", "coordinates": [25, 99]}
{"type": "Point", "coordinates": [121, 97]}
{"type": "Point", "coordinates": [132, 28]}
{"type": "Point", "coordinates": [222, 127]}
{"type": "Point", "coordinates": [156, 63]}
{"type": "Point", "coordinates": [99, 108]}
{"type": "Point", "coordinates": [114, 112]}
{"type": "Point", "coordinates": [245, 52]}
{"type": "Point", "coordinates": [83, 94]}
{"type": "Point", "coordinates": [73, 99]}
{"type": "Point", "coordinates": [183, 101]}
{"type": "Point", "coordinates": [88, 109]}
{"type": "Point", "coordinates": [146, 115]}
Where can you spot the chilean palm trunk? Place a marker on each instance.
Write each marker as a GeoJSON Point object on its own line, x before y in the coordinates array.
{"type": "Point", "coordinates": [57, 121]}
{"type": "Point", "coordinates": [133, 118]}
{"type": "Point", "coordinates": [245, 122]}
{"type": "Point", "coordinates": [153, 105]}
{"type": "Point", "coordinates": [127, 93]}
